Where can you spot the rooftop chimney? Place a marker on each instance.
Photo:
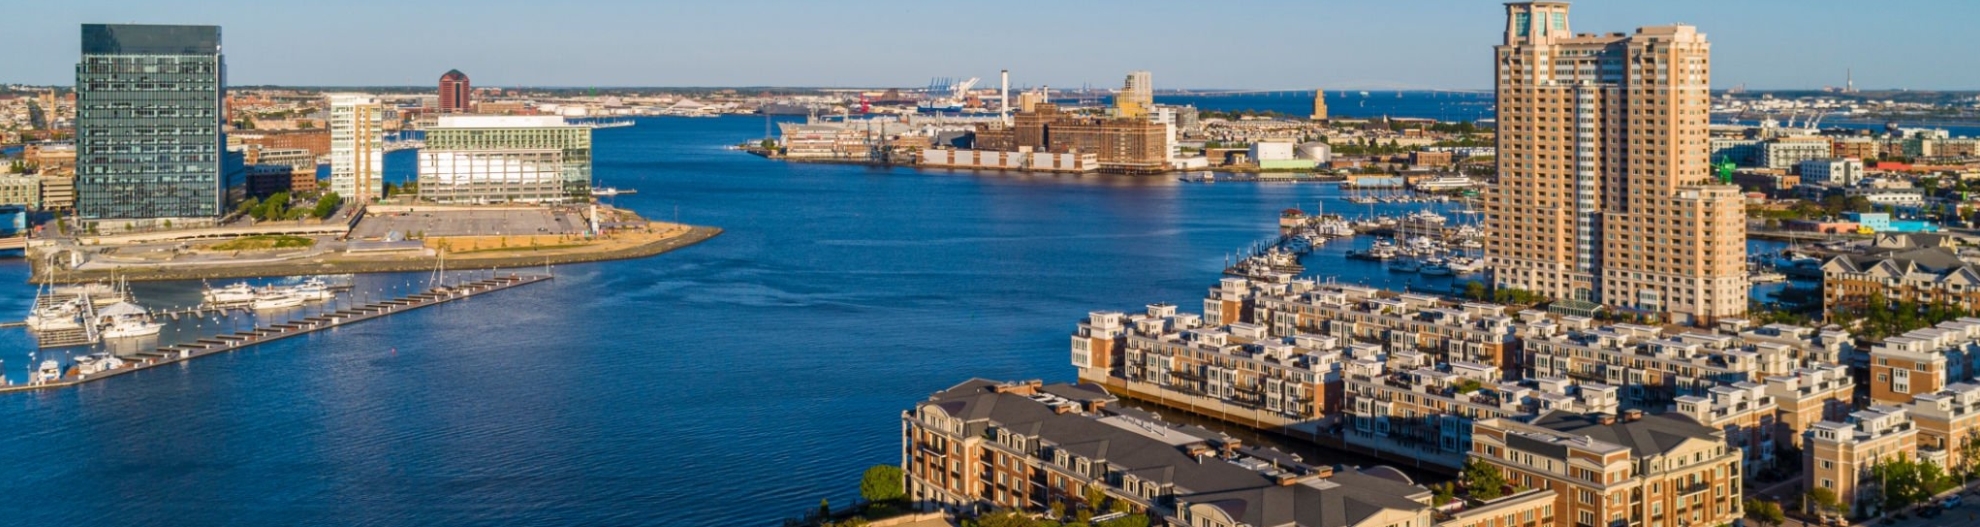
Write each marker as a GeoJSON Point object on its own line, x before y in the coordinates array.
{"type": "Point", "coordinates": [1605, 419]}
{"type": "Point", "coordinates": [1632, 415]}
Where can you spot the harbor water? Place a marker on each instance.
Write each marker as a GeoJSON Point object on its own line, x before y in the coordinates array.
{"type": "Point", "coordinates": [736, 382]}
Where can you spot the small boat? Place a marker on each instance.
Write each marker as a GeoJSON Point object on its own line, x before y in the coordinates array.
{"type": "Point", "coordinates": [612, 191]}
{"type": "Point", "coordinates": [1438, 267]}
{"type": "Point", "coordinates": [97, 363]}
{"type": "Point", "coordinates": [1406, 264]}
{"type": "Point", "coordinates": [50, 371]}
{"type": "Point", "coordinates": [126, 320]}
{"type": "Point", "coordinates": [237, 293]}
{"type": "Point", "coordinates": [277, 299]}
{"type": "Point", "coordinates": [313, 290]}
{"type": "Point", "coordinates": [1466, 266]}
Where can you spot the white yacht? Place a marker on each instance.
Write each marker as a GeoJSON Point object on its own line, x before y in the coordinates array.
{"type": "Point", "coordinates": [236, 293]}
{"type": "Point", "coordinates": [276, 299]}
{"type": "Point", "coordinates": [313, 290]}
{"type": "Point", "coordinates": [127, 320]}
{"type": "Point", "coordinates": [65, 315]}
{"type": "Point", "coordinates": [50, 371]}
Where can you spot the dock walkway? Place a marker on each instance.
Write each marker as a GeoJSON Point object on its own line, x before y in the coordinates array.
{"type": "Point", "coordinates": [260, 334]}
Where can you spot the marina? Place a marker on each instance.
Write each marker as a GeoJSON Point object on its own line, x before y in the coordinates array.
{"type": "Point", "coordinates": [50, 373]}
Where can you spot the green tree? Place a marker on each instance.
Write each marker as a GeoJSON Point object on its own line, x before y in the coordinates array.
{"type": "Point", "coordinates": [881, 483]}
{"type": "Point", "coordinates": [769, 144]}
{"type": "Point", "coordinates": [1094, 497]}
{"type": "Point", "coordinates": [1002, 518]}
{"type": "Point", "coordinates": [1483, 480]}
{"type": "Point", "coordinates": [1131, 520]}
{"type": "Point", "coordinates": [1969, 458]}
{"type": "Point", "coordinates": [1908, 481]}
{"type": "Point", "coordinates": [1765, 512]}
{"type": "Point", "coordinates": [1825, 500]}
{"type": "Point", "coordinates": [1475, 290]}
{"type": "Point", "coordinates": [327, 205]}
{"type": "Point", "coordinates": [824, 509]}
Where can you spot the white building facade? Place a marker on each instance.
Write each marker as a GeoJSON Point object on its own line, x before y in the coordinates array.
{"type": "Point", "coordinates": [357, 147]}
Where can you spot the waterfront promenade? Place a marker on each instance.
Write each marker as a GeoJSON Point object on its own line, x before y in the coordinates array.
{"type": "Point", "coordinates": [626, 245]}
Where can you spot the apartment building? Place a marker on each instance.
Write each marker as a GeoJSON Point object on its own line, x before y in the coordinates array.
{"type": "Point", "coordinates": [1234, 371]}
{"type": "Point", "coordinates": [1811, 395]}
{"type": "Point", "coordinates": [1924, 360]}
{"type": "Point", "coordinates": [1656, 367]}
{"type": "Point", "coordinates": [357, 147]}
{"type": "Point", "coordinates": [1748, 416]}
{"type": "Point", "coordinates": [982, 445]}
{"type": "Point", "coordinates": [1948, 421]}
{"type": "Point", "coordinates": [1923, 276]}
{"type": "Point", "coordinates": [1634, 469]}
{"type": "Point", "coordinates": [1451, 332]}
{"type": "Point", "coordinates": [1838, 172]}
{"type": "Point", "coordinates": [1406, 407]}
{"type": "Point", "coordinates": [1838, 455]}
{"type": "Point", "coordinates": [1604, 192]}
{"type": "Point", "coordinates": [1789, 152]}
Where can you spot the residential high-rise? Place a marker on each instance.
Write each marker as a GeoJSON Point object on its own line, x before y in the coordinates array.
{"type": "Point", "coordinates": [148, 125]}
{"type": "Point", "coordinates": [357, 147]}
{"type": "Point", "coordinates": [1605, 193]}
{"type": "Point", "coordinates": [1319, 106]}
{"type": "Point", "coordinates": [1137, 95]}
{"type": "Point", "coordinates": [456, 94]}
{"type": "Point", "coordinates": [491, 158]}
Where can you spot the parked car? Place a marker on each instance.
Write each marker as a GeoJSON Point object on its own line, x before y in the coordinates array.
{"type": "Point", "coordinates": [1952, 501]}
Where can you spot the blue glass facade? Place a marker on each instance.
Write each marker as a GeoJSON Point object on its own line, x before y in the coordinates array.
{"type": "Point", "coordinates": [149, 142]}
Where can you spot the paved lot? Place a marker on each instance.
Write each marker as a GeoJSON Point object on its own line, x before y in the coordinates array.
{"type": "Point", "coordinates": [471, 223]}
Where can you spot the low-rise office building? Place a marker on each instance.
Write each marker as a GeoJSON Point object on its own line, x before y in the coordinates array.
{"type": "Point", "coordinates": [495, 159]}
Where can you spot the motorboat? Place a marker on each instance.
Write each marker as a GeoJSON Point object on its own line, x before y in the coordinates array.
{"type": "Point", "coordinates": [1406, 264]}
{"type": "Point", "coordinates": [276, 299]}
{"type": "Point", "coordinates": [313, 290]}
{"type": "Point", "coordinates": [1438, 267]}
{"type": "Point", "coordinates": [1466, 266]}
{"type": "Point", "coordinates": [97, 363]}
{"type": "Point", "coordinates": [234, 294]}
{"type": "Point", "coordinates": [50, 371]}
{"type": "Point", "coordinates": [126, 320]}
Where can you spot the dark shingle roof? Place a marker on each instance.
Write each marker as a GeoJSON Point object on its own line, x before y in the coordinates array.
{"type": "Point", "coordinates": [1650, 435]}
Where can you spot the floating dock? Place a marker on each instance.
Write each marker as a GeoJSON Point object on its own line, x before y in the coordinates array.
{"type": "Point", "coordinates": [260, 334]}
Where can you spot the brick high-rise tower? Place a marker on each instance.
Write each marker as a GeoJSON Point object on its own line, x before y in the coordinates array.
{"type": "Point", "coordinates": [1605, 192]}
{"type": "Point", "coordinates": [456, 95]}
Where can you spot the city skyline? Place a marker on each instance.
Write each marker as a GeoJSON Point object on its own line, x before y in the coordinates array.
{"type": "Point", "coordinates": [1766, 45]}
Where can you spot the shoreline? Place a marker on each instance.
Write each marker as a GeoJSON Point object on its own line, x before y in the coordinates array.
{"type": "Point", "coordinates": [694, 235]}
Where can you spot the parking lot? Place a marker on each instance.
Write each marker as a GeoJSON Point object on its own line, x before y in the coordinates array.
{"type": "Point", "coordinates": [503, 222]}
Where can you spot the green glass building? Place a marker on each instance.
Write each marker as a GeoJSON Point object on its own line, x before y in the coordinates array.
{"type": "Point", "coordinates": [149, 142]}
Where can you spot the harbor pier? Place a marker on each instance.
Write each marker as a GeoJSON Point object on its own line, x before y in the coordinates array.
{"type": "Point", "coordinates": [222, 343]}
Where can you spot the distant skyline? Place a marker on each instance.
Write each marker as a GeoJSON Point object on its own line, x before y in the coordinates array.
{"type": "Point", "coordinates": [1426, 44]}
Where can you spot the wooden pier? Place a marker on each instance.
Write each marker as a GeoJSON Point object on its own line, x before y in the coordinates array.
{"type": "Point", "coordinates": [232, 341]}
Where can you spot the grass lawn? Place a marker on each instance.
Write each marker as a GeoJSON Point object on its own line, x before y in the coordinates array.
{"type": "Point", "coordinates": [262, 243]}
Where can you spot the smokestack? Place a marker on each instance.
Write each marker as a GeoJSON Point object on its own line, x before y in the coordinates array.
{"type": "Point", "coordinates": [1004, 97]}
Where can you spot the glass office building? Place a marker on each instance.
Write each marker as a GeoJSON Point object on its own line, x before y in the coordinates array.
{"type": "Point", "coordinates": [149, 143]}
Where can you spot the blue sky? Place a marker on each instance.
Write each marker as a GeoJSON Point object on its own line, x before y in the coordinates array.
{"type": "Point", "coordinates": [1399, 44]}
